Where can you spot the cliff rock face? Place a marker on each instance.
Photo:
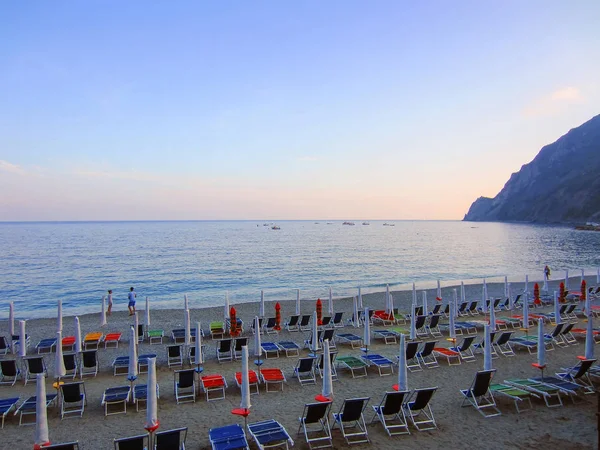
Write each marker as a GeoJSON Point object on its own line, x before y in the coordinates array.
{"type": "Point", "coordinates": [560, 185]}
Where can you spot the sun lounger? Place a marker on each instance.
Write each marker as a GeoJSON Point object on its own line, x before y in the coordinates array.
{"type": "Point", "coordinates": [308, 342]}
{"type": "Point", "coordinates": [64, 446]}
{"type": "Point", "coordinates": [337, 320]}
{"type": "Point", "coordinates": [174, 356]}
{"type": "Point", "coordinates": [68, 343]}
{"type": "Point", "coordinates": [465, 349]}
{"type": "Point", "coordinates": [383, 318]}
{"type": "Point", "coordinates": [6, 407]}
{"type": "Point", "coordinates": [170, 439]}
{"type": "Point", "coordinates": [28, 408]}
{"type": "Point", "coordinates": [529, 343]}
{"type": "Point", "coordinates": [89, 363]}
{"type": "Point", "coordinates": [567, 334]}
{"type": "Point", "coordinates": [417, 405]}
{"type": "Point", "coordinates": [582, 332]}
{"type": "Point", "coordinates": [390, 413]}
{"type": "Point", "coordinates": [270, 349]}
{"type": "Point", "coordinates": [73, 399]}
{"type": "Point", "coordinates": [433, 327]}
{"type": "Point", "coordinates": [466, 327]}
{"type": "Point", "coordinates": [325, 322]}
{"type": "Point", "coordinates": [140, 395]}
{"type": "Point", "coordinates": [269, 326]}
{"type": "Point", "coordinates": [328, 335]}
{"type": "Point", "coordinates": [213, 383]}
{"type": "Point", "coordinates": [143, 362]}
{"type": "Point", "coordinates": [354, 364]}
{"type": "Point", "coordinates": [46, 346]}
{"type": "Point", "coordinates": [566, 387]}
{"type": "Point", "coordinates": [252, 379]}
{"type": "Point", "coordinates": [384, 365]}
{"type": "Point", "coordinates": [426, 355]}
{"type": "Point", "coordinates": [272, 377]}
{"type": "Point", "coordinates": [238, 343]}
{"type": "Point", "coordinates": [217, 330]}
{"type": "Point", "coordinates": [120, 365]}
{"type": "Point", "coordinates": [502, 344]}
{"type": "Point", "coordinates": [270, 433]}
{"type": "Point", "coordinates": [33, 366]}
{"type": "Point", "coordinates": [115, 400]}
{"type": "Point", "coordinates": [140, 442]}
{"type": "Point", "coordinates": [305, 322]}
{"type": "Point", "coordinates": [579, 374]}
{"type": "Point", "coordinates": [519, 396]}
{"type": "Point", "coordinates": [228, 437]}
{"type": "Point", "coordinates": [9, 371]}
{"type": "Point", "coordinates": [184, 385]}
{"type": "Point", "coordinates": [71, 366]}
{"type": "Point", "coordinates": [452, 356]}
{"type": "Point", "coordinates": [111, 340]}
{"type": "Point", "coordinates": [316, 414]}
{"type": "Point", "coordinates": [16, 342]}
{"type": "Point", "coordinates": [293, 323]}
{"type": "Point", "coordinates": [479, 395]}
{"type": "Point", "coordinates": [332, 356]}
{"type": "Point", "coordinates": [92, 340]}
{"type": "Point", "coordinates": [5, 347]}
{"type": "Point", "coordinates": [351, 421]}
{"type": "Point", "coordinates": [389, 337]}
{"type": "Point", "coordinates": [155, 336]}
{"type": "Point", "coordinates": [224, 350]}
{"type": "Point", "coordinates": [290, 348]}
{"type": "Point", "coordinates": [349, 338]}
{"type": "Point", "coordinates": [547, 392]}
{"type": "Point", "coordinates": [305, 371]}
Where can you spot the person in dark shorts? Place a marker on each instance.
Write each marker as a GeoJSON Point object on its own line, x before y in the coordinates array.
{"type": "Point", "coordinates": [131, 304]}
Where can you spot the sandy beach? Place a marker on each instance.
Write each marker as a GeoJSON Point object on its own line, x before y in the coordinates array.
{"type": "Point", "coordinates": [569, 427]}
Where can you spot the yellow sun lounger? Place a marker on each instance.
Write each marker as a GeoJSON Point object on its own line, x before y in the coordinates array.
{"type": "Point", "coordinates": [92, 340]}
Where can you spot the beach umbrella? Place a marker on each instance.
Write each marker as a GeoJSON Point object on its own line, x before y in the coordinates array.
{"type": "Point", "coordinates": [492, 318]}
{"type": "Point", "coordinates": [583, 290]}
{"type": "Point", "coordinates": [424, 303]}
{"type": "Point", "coordinates": [588, 307]}
{"type": "Point", "coordinates": [233, 331]}
{"type": "Point", "coordinates": [185, 303]}
{"type": "Point", "coordinates": [545, 286]}
{"type": "Point", "coordinates": [526, 312]}
{"type": "Point", "coordinates": [598, 276]}
{"type": "Point", "coordinates": [463, 294]}
{"type": "Point", "coordinates": [257, 345]}
{"type": "Point", "coordinates": [589, 339]}
{"type": "Point", "coordinates": [327, 391]}
{"type": "Point", "coordinates": [11, 318]}
{"type": "Point", "coordinates": [297, 302]}
{"type": "Point", "coordinates": [226, 309]}
{"type": "Point", "coordinates": [314, 345]}
{"type": "Point", "coordinates": [360, 300]}
{"type": "Point", "coordinates": [59, 325]}
{"type": "Point", "coordinates": [245, 388]}
{"type": "Point", "coordinates": [367, 331]}
{"type": "Point", "coordinates": [136, 324]}
{"type": "Point", "coordinates": [567, 279]}
{"type": "Point", "coordinates": [59, 363]}
{"type": "Point", "coordinates": [484, 296]}
{"type": "Point", "coordinates": [22, 339]}
{"type": "Point", "coordinates": [439, 291]}
{"type": "Point", "coordinates": [557, 317]}
{"type": "Point", "coordinates": [147, 314]}
{"type": "Point", "coordinates": [526, 284]}
{"type": "Point", "coordinates": [582, 275]}
{"type": "Point", "coordinates": [561, 292]}
{"type": "Point", "coordinates": [536, 294]}
{"type": "Point", "coordinates": [414, 297]}
{"type": "Point", "coordinates": [188, 331]}
{"type": "Point", "coordinates": [451, 326]}
{"type": "Point", "coordinates": [387, 298]}
{"type": "Point", "coordinates": [103, 313]}
{"type": "Point", "coordinates": [391, 314]}
{"type": "Point", "coordinates": [402, 368]}
{"type": "Point", "coordinates": [487, 349]}
{"type": "Point", "coordinates": [413, 328]}
{"type": "Point", "coordinates": [277, 326]}
{"type": "Point", "coordinates": [78, 343]}
{"type": "Point", "coordinates": [198, 349]}
{"type": "Point", "coordinates": [511, 302]}
{"type": "Point", "coordinates": [454, 302]}
{"type": "Point", "coordinates": [42, 438]}
{"type": "Point", "coordinates": [355, 316]}
{"type": "Point", "coordinates": [261, 307]}
{"type": "Point", "coordinates": [132, 371]}
{"type": "Point", "coordinates": [506, 287]}
{"type": "Point", "coordinates": [330, 309]}
{"type": "Point", "coordinates": [319, 311]}
{"type": "Point", "coordinates": [152, 422]}
{"type": "Point", "coordinates": [541, 347]}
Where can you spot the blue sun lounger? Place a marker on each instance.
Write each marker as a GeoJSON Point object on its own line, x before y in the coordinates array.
{"type": "Point", "coordinates": [349, 338]}
{"type": "Point", "coordinates": [389, 337]}
{"type": "Point", "coordinates": [270, 433]}
{"type": "Point", "coordinates": [381, 362]}
{"type": "Point", "coordinates": [121, 365]}
{"type": "Point", "coordinates": [6, 406]}
{"type": "Point", "coordinates": [290, 348]}
{"type": "Point", "coordinates": [529, 343]}
{"type": "Point", "coordinates": [46, 346]}
{"type": "Point", "coordinates": [270, 348]}
{"type": "Point", "coordinates": [116, 396]}
{"type": "Point", "coordinates": [565, 386]}
{"type": "Point", "coordinates": [28, 408]}
{"type": "Point", "coordinates": [229, 437]}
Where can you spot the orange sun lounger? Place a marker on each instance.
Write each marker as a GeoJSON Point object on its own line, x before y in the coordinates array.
{"type": "Point", "coordinates": [450, 355]}
{"type": "Point", "coordinates": [112, 340]}
{"type": "Point", "coordinates": [211, 383]}
{"type": "Point", "coordinates": [92, 340]}
{"type": "Point", "coordinates": [253, 378]}
{"type": "Point", "coordinates": [272, 377]}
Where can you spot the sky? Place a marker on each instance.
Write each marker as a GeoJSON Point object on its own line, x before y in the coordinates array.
{"type": "Point", "coordinates": [188, 110]}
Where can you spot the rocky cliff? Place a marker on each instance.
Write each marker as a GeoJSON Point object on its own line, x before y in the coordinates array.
{"type": "Point", "coordinates": [560, 185]}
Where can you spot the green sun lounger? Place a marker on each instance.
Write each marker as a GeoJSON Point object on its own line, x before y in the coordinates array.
{"type": "Point", "coordinates": [155, 336]}
{"type": "Point", "coordinates": [354, 364]}
{"type": "Point", "coordinates": [519, 396]}
{"type": "Point", "coordinates": [543, 390]}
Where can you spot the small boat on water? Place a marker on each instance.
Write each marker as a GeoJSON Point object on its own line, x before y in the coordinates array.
{"type": "Point", "coordinates": [348, 223]}
{"type": "Point", "coordinates": [275, 227]}
{"type": "Point", "coordinates": [389, 225]}
{"type": "Point", "coordinates": [366, 223]}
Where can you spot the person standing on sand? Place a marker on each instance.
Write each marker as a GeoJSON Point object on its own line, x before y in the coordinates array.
{"type": "Point", "coordinates": [131, 304]}
{"type": "Point", "coordinates": [547, 272]}
{"type": "Point", "coordinates": [110, 301]}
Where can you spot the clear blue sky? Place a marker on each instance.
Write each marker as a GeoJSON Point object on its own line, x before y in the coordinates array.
{"type": "Point", "coordinates": [276, 109]}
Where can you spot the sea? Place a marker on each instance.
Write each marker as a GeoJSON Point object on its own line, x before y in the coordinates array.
{"type": "Point", "coordinates": [41, 262]}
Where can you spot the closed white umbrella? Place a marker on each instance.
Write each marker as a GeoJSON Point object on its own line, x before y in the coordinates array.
{"type": "Point", "coordinates": [198, 350]}
{"type": "Point", "coordinates": [355, 315]}
{"type": "Point", "coordinates": [463, 294]}
{"type": "Point", "coordinates": [327, 391]}
{"type": "Point", "coordinates": [589, 339]}
{"type": "Point", "coordinates": [59, 364]}
{"type": "Point", "coordinates": [487, 349]}
{"type": "Point", "coordinates": [526, 311]}
{"type": "Point", "coordinates": [226, 309]}
{"type": "Point", "coordinates": [511, 302]}
{"type": "Point", "coordinates": [261, 309]}
{"type": "Point", "coordinates": [598, 276]}
{"type": "Point", "coordinates": [413, 327]}
{"type": "Point", "coordinates": [439, 290]}
{"type": "Point", "coordinates": [360, 300]}
{"type": "Point", "coordinates": [454, 302]}
{"type": "Point", "coordinates": [59, 323]}
{"type": "Point", "coordinates": [188, 331]}
{"type": "Point", "coordinates": [186, 305]}
{"type": "Point", "coordinates": [505, 287]}
{"type": "Point", "coordinates": [22, 339]}
{"type": "Point", "coordinates": [11, 318]}
{"type": "Point", "coordinates": [297, 302]}
{"type": "Point", "coordinates": [484, 296]}
{"type": "Point", "coordinates": [391, 313]}
{"type": "Point", "coordinates": [314, 345]}
{"type": "Point", "coordinates": [588, 306]}
{"type": "Point", "coordinates": [567, 279]}
{"type": "Point", "coordinates": [545, 286]}
{"type": "Point", "coordinates": [492, 318]}
{"type": "Point", "coordinates": [257, 345]}
{"type": "Point", "coordinates": [136, 324]}
{"type": "Point", "coordinates": [147, 318]}
{"type": "Point", "coordinates": [541, 347]}
{"type": "Point", "coordinates": [402, 368]}
{"type": "Point", "coordinates": [424, 303]}
{"type": "Point", "coordinates": [132, 371]}
{"type": "Point", "coordinates": [451, 326]}
{"type": "Point", "coordinates": [245, 403]}
{"type": "Point", "coordinates": [557, 317]}
{"type": "Point", "coordinates": [330, 305]}
{"type": "Point", "coordinates": [78, 343]}
{"type": "Point", "coordinates": [367, 331]}
{"type": "Point", "coordinates": [103, 313]}
{"type": "Point", "coordinates": [526, 290]}
{"type": "Point", "coordinates": [582, 276]}
{"type": "Point", "coordinates": [414, 297]}
{"type": "Point", "coordinates": [152, 422]}
{"type": "Point", "coordinates": [42, 437]}
{"type": "Point", "coordinates": [387, 299]}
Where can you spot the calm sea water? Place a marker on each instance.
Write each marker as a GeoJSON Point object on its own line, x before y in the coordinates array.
{"type": "Point", "coordinates": [78, 262]}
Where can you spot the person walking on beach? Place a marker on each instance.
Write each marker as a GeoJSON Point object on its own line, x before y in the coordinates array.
{"type": "Point", "coordinates": [547, 272]}
{"type": "Point", "coordinates": [110, 301]}
{"type": "Point", "coordinates": [131, 304]}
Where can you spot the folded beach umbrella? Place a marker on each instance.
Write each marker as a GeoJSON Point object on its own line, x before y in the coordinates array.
{"type": "Point", "coordinates": [152, 422]}
{"type": "Point", "coordinates": [78, 343]}
{"type": "Point", "coordinates": [136, 324]}
{"type": "Point", "coordinates": [557, 317]}
{"type": "Point", "coordinates": [414, 297]}
{"type": "Point", "coordinates": [198, 350]}
{"type": "Point", "coordinates": [391, 313]}
{"type": "Point", "coordinates": [103, 313]}
{"type": "Point", "coordinates": [506, 287]}
{"type": "Point", "coordinates": [387, 299]}
{"type": "Point", "coordinates": [11, 318]}
{"type": "Point", "coordinates": [589, 339]}
{"type": "Point", "coordinates": [42, 438]}
{"type": "Point", "coordinates": [526, 311]}
{"type": "Point", "coordinates": [582, 275]}
{"type": "Point", "coordinates": [186, 305]}
{"type": "Point", "coordinates": [261, 309]}
{"type": "Point", "coordinates": [439, 290]}
{"type": "Point", "coordinates": [454, 303]}
{"type": "Point", "coordinates": [413, 328]}
{"type": "Point", "coordinates": [59, 324]}
{"type": "Point", "coordinates": [541, 347]}
{"type": "Point", "coordinates": [492, 318]}
{"type": "Point", "coordinates": [257, 345]}
{"type": "Point", "coordinates": [330, 306]}
{"type": "Point", "coordinates": [526, 290]}
{"type": "Point", "coordinates": [187, 333]}
{"type": "Point", "coordinates": [226, 309]}
{"type": "Point", "coordinates": [245, 403]}
{"type": "Point", "coordinates": [402, 368]}
{"type": "Point", "coordinates": [355, 314]}
{"type": "Point", "coordinates": [588, 306]}
{"type": "Point", "coordinates": [367, 331]}
{"type": "Point", "coordinates": [487, 349]}
{"type": "Point", "coordinates": [511, 302]}
{"type": "Point", "coordinates": [314, 345]}
{"type": "Point", "coordinates": [545, 286]}
{"type": "Point", "coordinates": [598, 276]}
{"type": "Point", "coordinates": [297, 302]}
{"type": "Point", "coordinates": [567, 279]}
{"type": "Point", "coordinates": [463, 295]}
{"type": "Point", "coordinates": [327, 391]}
{"type": "Point", "coordinates": [22, 339]}
{"type": "Point", "coordinates": [451, 326]}
{"type": "Point", "coordinates": [59, 364]}
{"type": "Point", "coordinates": [132, 371]}
{"type": "Point", "coordinates": [147, 314]}
{"type": "Point", "coordinates": [424, 303]}
{"type": "Point", "coordinates": [484, 296]}
{"type": "Point", "coordinates": [360, 300]}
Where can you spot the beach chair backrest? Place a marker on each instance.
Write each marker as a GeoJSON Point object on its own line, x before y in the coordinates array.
{"type": "Point", "coordinates": [71, 392]}
{"type": "Point", "coordinates": [314, 412]}
{"type": "Point", "coordinates": [89, 358]}
{"type": "Point", "coordinates": [517, 298]}
{"type": "Point", "coordinates": [186, 378]}
{"type": "Point", "coordinates": [563, 309]}
{"type": "Point", "coordinates": [466, 343]}
{"type": "Point", "coordinates": [352, 409]}
{"type": "Point", "coordinates": [305, 320]}
{"type": "Point", "coordinates": [328, 335]}
{"type": "Point", "coordinates": [270, 322]}
{"type": "Point", "coordinates": [434, 321]}
{"type": "Point", "coordinates": [571, 308]}
{"type": "Point", "coordinates": [482, 382]}
{"type": "Point", "coordinates": [428, 348]}
{"type": "Point", "coordinates": [67, 446]}
{"type": "Point", "coordinates": [305, 364]}
{"type": "Point", "coordinates": [337, 318]}
{"type": "Point", "coordinates": [504, 338]}
{"type": "Point", "coordinates": [411, 350]}
{"type": "Point", "coordinates": [140, 330]}
{"type": "Point", "coordinates": [332, 356]}
{"type": "Point", "coordinates": [497, 302]}
{"type": "Point", "coordinates": [239, 343]}
{"type": "Point", "coordinates": [392, 402]}
{"type": "Point", "coordinates": [557, 329]}
{"type": "Point", "coordinates": [568, 328]}
{"type": "Point", "coordinates": [462, 307]}
{"type": "Point", "coordinates": [293, 321]}
{"type": "Point", "coordinates": [3, 343]}
{"type": "Point", "coordinates": [325, 321]}
{"type": "Point", "coordinates": [583, 368]}
{"type": "Point", "coordinates": [473, 306]}
{"type": "Point", "coordinates": [436, 309]}
{"type": "Point", "coordinates": [131, 443]}
{"type": "Point", "coordinates": [419, 322]}
{"type": "Point", "coordinates": [9, 367]}
{"type": "Point", "coordinates": [36, 365]}
{"type": "Point", "coordinates": [419, 311]}
{"type": "Point", "coordinates": [422, 398]}
{"type": "Point", "coordinates": [171, 439]}
{"type": "Point", "coordinates": [174, 351]}
{"type": "Point", "coordinates": [224, 345]}
{"type": "Point", "coordinates": [69, 360]}
{"type": "Point", "coordinates": [447, 309]}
